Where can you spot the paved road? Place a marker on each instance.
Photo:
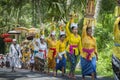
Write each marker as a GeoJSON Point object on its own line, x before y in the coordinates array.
{"type": "Point", "coordinates": [21, 74]}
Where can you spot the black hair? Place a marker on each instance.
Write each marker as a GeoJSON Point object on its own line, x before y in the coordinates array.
{"type": "Point", "coordinates": [72, 27]}
{"type": "Point", "coordinates": [62, 35]}
{"type": "Point", "coordinates": [119, 23]}
{"type": "Point", "coordinates": [88, 28]}
{"type": "Point", "coordinates": [32, 50]}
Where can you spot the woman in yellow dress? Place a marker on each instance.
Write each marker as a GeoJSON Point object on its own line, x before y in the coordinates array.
{"type": "Point", "coordinates": [52, 52]}
{"type": "Point", "coordinates": [89, 53]}
{"type": "Point", "coordinates": [61, 57]}
{"type": "Point", "coordinates": [74, 46]}
{"type": "Point", "coordinates": [116, 50]}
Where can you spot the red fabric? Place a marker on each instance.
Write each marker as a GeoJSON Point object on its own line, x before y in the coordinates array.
{"type": "Point", "coordinates": [89, 52]}
{"type": "Point", "coordinates": [71, 48]}
{"type": "Point", "coordinates": [44, 52]}
{"type": "Point", "coordinates": [54, 51]}
{"type": "Point", "coordinates": [8, 40]}
{"type": "Point", "coordinates": [5, 35]}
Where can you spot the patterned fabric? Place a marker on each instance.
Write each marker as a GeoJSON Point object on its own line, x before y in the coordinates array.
{"type": "Point", "coordinates": [31, 64]}
{"type": "Point", "coordinates": [26, 56]}
{"type": "Point", "coordinates": [73, 62]}
{"type": "Point", "coordinates": [61, 63]}
{"type": "Point", "coordinates": [89, 52]}
{"type": "Point", "coordinates": [116, 67]}
{"type": "Point", "coordinates": [39, 64]}
{"type": "Point", "coordinates": [7, 64]}
{"type": "Point", "coordinates": [88, 67]}
{"type": "Point", "coordinates": [42, 64]}
{"type": "Point", "coordinates": [52, 52]}
{"type": "Point", "coordinates": [51, 63]}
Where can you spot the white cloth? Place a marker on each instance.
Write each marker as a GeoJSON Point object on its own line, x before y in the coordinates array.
{"type": "Point", "coordinates": [42, 47]}
{"type": "Point", "coordinates": [7, 58]}
{"type": "Point", "coordinates": [62, 32]}
{"type": "Point", "coordinates": [42, 36]}
{"type": "Point", "coordinates": [38, 40]}
{"type": "Point", "coordinates": [15, 58]}
{"type": "Point", "coordinates": [32, 58]}
{"type": "Point", "coordinates": [36, 48]}
{"type": "Point", "coordinates": [61, 53]}
{"type": "Point", "coordinates": [53, 32]}
{"type": "Point", "coordinates": [57, 60]}
{"type": "Point", "coordinates": [74, 25]}
{"type": "Point", "coordinates": [14, 39]}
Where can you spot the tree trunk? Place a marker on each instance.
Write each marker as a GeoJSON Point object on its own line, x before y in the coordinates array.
{"type": "Point", "coordinates": [97, 9]}
{"type": "Point", "coordinates": [33, 12]}
{"type": "Point", "coordinates": [39, 12]}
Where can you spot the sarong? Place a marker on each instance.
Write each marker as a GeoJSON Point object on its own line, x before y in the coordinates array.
{"type": "Point", "coordinates": [61, 63]}
{"type": "Point", "coordinates": [51, 63]}
{"type": "Point", "coordinates": [116, 67]}
{"type": "Point", "coordinates": [73, 61]}
{"type": "Point", "coordinates": [39, 64]}
{"type": "Point", "coordinates": [88, 67]}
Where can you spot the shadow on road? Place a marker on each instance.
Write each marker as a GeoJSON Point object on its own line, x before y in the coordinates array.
{"type": "Point", "coordinates": [27, 75]}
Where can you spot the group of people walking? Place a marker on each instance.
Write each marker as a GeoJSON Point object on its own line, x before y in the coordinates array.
{"type": "Point", "coordinates": [70, 46]}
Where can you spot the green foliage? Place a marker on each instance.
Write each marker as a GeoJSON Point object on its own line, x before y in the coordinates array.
{"type": "Point", "coordinates": [104, 66]}
{"type": "Point", "coordinates": [107, 6]}
{"type": "Point", "coordinates": [104, 36]}
{"type": "Point", "coordinates": [104, 30]}
{"type": "Point", "coordinates": [27, 13]}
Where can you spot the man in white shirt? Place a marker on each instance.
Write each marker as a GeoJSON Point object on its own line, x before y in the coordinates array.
{"type": "Point", "coordinates": [15, 55]}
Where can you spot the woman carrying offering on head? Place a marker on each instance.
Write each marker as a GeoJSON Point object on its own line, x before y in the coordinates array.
{"type": "Point", "coordinates": [61, 56]}
{"type": "Point", "coordinates": [74, 46]}
{"type": "Point", "coordinates": [52, 52]}
{"type": "Point", "coordinates": [89, 53]}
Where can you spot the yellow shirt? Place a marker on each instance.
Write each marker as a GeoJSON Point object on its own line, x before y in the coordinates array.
{"type": "Point", "coordinates": [61, 46]}
{"type": "Point", "coordinates": [26, 55]}
{"type": "Point", "coordinates": [116, 49]}
{"type": "Point", "coordinates": [51, 44]}
{"type": "Point", "coordinates": [73, 40]}
{"type": "Point", "coordinates": [88, 43]}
